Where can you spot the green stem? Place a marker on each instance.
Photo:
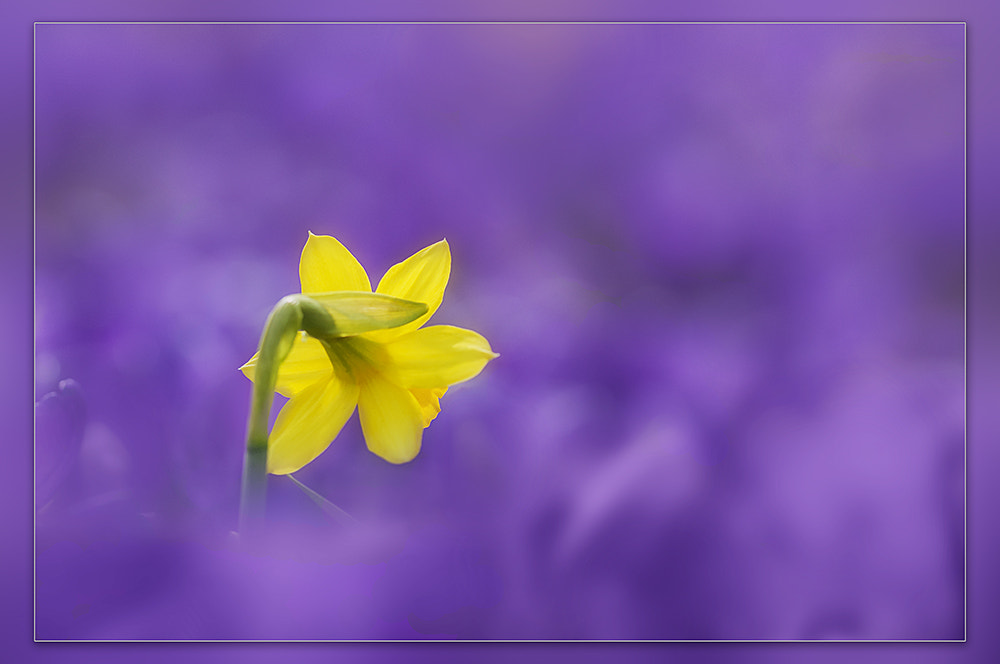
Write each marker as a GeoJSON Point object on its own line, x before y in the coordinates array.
{"type": "Point", "coordinates": [275, 343]}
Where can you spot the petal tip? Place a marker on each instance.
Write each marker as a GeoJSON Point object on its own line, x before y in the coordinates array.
{"type": "Point", "coordinates": [398, 460]}
{"type": "Point", "coordinates": [281, 470]}
{"type": "Point", "coordinates": [440, 245]}
{"type": "Point", "coordinates": [325, 264]}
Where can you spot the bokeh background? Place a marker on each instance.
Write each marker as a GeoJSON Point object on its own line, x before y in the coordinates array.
{"type": "Point", "coordinates": [723, 265]}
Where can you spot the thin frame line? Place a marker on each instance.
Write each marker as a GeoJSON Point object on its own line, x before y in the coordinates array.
{"type": "Point", "coordinates": [34, 330]}
{"type": "Point", "coordinates": [965, 349]}
{"type": "Point", "coordinates": [500, 22]}
{"type": "Point", "coordinates": [498, 641]}
{"type": "Point", "coordinates": [35, 25]}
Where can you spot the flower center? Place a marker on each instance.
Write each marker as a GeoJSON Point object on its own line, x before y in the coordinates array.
{"type": "Point", "coordinates": [356, 357]}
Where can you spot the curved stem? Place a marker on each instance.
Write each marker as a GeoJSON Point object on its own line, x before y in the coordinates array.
{"type": "Point", "coordinates": [275, 343]}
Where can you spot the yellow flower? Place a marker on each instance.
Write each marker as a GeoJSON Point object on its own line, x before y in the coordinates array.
{"type": "Point", "coordinates": [395, 376]}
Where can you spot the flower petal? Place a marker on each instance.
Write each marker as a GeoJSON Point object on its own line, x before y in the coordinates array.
{"type": "Point", "coordinates": [430, 402]}
{"type": "Point", "coordinates": [327, 265]}
{"type": "Point", "coordinates": [421, 278]}
{"type": "Point", "coordinates": [309, 422]}
{"type": "Point", "coordinates": [438, 356]}
{"type": "Point", "coordinates": [306, 364]}
{"type": "Point", "coordinates": [391, 419]}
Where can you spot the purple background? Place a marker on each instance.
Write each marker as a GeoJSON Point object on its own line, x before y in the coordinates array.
{"type": "Point", "coordinates": [723, 266]}
{"type": "Point", "coordinates": [982, 243]}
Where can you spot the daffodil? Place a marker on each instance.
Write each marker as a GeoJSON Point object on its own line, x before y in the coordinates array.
{"type": "Point", "coordinates": [395, 374]}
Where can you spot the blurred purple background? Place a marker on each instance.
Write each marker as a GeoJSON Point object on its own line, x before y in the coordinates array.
{"type": "Point", "coordinates": [723, 265]}
{"type": "Point", "coordinates": [983, 320]}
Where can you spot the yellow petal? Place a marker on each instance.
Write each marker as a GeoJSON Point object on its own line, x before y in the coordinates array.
{"type": "Point", "coordinates": [430, 402]}
{"type": "Point", "coordinates": [306, 364]}
{"type": "Point", "coordinates": [308, 423]}
{"type": "Point", "coordinates": [327, 265]}
{"type": "Point", "coordinates": [438, 356]}
{"type": "Point", "coordinates": [391, 419]}
{"type": "Point", "coordinates": [421, 278]}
